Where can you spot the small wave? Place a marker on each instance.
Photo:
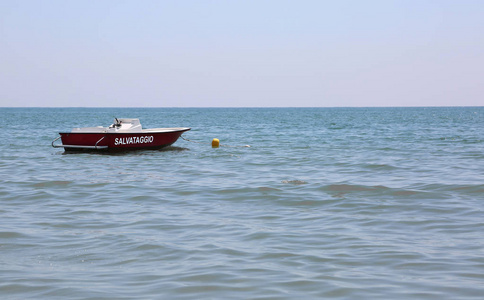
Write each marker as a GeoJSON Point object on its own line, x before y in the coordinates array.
{"type": "Point", "coordinates": [268, 189]}
{"type": "Point", "coordinates": [464, 189]}
{"type": "Point", "coordinates": [51, 183]}
{"type": "Point", "coordinates": [148, 247]}
{"type": "Point", "coordinates": [340, 190]}
{"type": "Point", "coordinates": [10, 235]}
{"type": "Point", "coordinates": [435, 191]}
{"type": "Point", "coordinates": [295, 182]}
{"type": "Point", "coordinates": [380, 167]}
{"type": "Point", "coordinates": [471, 189]}
{"type": "Point", "coordinates": [334, 126]}
{"type": "Point", "coordinates": [461, 139]}
{"type": "Point", "coordinates": [405, 192]}
{"type": "Point", "coordinates": [352, 188]}
{"type": "Point", "coordinates": [386, 149]}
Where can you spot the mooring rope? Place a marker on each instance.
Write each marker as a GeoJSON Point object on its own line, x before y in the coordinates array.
{"type": "Point", "coordinates": [188, 140]}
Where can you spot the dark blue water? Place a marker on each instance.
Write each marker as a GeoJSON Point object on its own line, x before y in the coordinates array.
{"type": "Point", "coordinates": [327, 203]}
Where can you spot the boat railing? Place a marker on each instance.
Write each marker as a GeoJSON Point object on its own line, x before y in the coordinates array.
{"type": "Point", "coordinates": [56, 146]}
{"type": "Point", "coordinates": [79, 146]}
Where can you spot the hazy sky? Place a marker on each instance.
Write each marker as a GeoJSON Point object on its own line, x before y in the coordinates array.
{"type": "Point", "coordinates": [241, 53]}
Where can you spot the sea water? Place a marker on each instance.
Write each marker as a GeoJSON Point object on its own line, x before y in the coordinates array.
{"type": "Point", "coordinates": [326, 203]}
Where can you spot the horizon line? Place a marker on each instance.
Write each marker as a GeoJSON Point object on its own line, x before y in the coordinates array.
{"type": "Point", "coordinates": [429, 106]}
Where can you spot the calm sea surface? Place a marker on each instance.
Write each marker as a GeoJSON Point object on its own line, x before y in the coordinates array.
{"type": "Point", "coordinates": [327, 203]}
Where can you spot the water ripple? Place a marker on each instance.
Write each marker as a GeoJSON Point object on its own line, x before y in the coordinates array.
{"type": "Point", "coordinates": [369, 204]}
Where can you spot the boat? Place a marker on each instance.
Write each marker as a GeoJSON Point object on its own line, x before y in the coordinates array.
{"type": "Point", "coordinates": [124, 134]}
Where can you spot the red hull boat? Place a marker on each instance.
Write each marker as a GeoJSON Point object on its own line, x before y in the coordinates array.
{"type": "Point", "coordinates": [124, 134]}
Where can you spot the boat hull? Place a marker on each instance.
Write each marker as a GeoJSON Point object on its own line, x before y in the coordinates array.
{"type": "Point", "coordinates": [119, 141]}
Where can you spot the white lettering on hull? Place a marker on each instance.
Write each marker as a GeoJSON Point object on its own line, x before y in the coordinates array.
{"type": "Point", "coordinates": [145, 139]}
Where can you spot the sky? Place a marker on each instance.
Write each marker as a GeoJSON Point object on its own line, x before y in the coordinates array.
{"type": "Point", "coordinates": [247, 53]}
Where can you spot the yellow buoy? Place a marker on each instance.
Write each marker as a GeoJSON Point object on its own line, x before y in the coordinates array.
{"type": "Point", "coordinates": [215, 143]}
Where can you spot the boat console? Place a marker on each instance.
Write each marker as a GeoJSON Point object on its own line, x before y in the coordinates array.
{"type": "Point", "coordinates": [126, 125]}
{"type": "Point", "coordinates": [131, 125]}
